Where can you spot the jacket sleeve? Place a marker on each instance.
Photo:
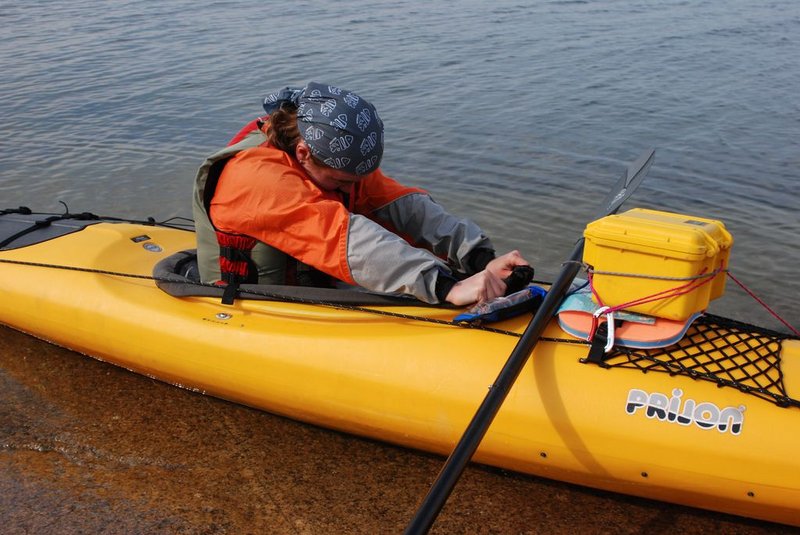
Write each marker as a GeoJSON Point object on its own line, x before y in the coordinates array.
{"type": "Point", "coordinates": [413, 213]}
{"type": "Point", "coordinates": [382, 261]}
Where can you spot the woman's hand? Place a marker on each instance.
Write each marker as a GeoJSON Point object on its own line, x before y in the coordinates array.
{"type": "Point", "coordinates": [503, 265]}
{"type": "Point", "coordinates": [487, 284]}
{"type": "Point", "coordinates": [478, 288]}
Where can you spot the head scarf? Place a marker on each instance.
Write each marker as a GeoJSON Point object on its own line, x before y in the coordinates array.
{"type": "Point", "coordinates": [342, 129]}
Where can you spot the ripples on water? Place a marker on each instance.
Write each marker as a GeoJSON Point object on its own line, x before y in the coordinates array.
{"type": "Point", "coordinates": [520, 115]}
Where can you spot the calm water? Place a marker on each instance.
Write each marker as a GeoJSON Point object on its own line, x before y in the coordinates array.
{"type": "Point", "coordinates": [520, 114]}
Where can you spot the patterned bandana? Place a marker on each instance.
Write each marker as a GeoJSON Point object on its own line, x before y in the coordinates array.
{"type": "Point", "coordinates": [342, 129]}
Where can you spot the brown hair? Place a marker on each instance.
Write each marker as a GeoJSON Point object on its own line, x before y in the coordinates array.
{"type": "Point", "coordinates": [283, 133]}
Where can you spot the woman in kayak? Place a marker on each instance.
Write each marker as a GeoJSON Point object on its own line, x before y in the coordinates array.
{"type": "Point", "coordinates": [299, 192]}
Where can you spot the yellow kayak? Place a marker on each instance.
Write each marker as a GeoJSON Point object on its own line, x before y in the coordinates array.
{"type": "Point", "coordinates": [714, 423]}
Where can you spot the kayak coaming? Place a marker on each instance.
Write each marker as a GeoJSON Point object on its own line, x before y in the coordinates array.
{"type": "Point", "coordinates": [403, 381]}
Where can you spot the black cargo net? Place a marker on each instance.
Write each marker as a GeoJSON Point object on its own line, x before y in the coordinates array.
{"type": "Point", "coordinates": [723, 351]}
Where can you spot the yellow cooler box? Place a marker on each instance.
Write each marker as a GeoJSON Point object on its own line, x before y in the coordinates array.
{"type": "Point", "coordinates": [640, 253]}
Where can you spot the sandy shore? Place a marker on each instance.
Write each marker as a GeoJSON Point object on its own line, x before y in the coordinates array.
{"type": "Point", "coordinates": [86, 447]}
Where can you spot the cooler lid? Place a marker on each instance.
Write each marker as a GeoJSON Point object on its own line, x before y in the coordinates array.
{"type": "Point", "coordinates": [667, 233]}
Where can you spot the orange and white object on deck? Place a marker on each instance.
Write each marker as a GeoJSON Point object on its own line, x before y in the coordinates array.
{"type": "Point", "coordinates": [657, 263]}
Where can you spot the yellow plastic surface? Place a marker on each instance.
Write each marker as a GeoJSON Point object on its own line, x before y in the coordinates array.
{"type": "Point", "coordinates": [408, 382]}
{"type": "Point", "coordinates": [641, 253]}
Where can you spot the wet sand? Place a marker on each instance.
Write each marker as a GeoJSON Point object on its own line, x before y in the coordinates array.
{"type": "Point", "coordinates": [86, 447]}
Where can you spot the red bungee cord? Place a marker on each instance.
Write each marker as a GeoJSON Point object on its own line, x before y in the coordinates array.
{"type": "Point", "coordinates": [763, 304]}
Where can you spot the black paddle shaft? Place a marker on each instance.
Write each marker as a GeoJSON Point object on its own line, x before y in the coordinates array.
{"type": "Point", "coordinates": [448, 477]}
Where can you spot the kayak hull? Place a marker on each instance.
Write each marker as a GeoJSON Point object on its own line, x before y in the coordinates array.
{"type": "Point", "coordinates": [410, 382]}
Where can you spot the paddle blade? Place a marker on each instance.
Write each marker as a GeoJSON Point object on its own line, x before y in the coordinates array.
{"type": "Point", "coordinates": [627, 184]}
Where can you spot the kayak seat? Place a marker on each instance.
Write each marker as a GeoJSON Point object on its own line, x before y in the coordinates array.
{"type": "Point", "coordinates": [187, 267]}
{"type": "Point", "coordinates": [179, 276]}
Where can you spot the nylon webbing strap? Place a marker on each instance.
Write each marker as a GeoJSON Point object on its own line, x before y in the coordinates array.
{"type": "Point", "coordinates": [36, 226]}
{"type": "Point", "coordinates": [24, 210]}
{"type": "Point", "coordinates": [597, 351]}
{"type": "Point", "coordinates": [229, 295]}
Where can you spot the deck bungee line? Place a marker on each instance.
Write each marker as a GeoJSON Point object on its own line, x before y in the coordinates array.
{"type": "Point", "coordinates": [249, 292]}
{"type": "Point", "coordinates": [705, 276]}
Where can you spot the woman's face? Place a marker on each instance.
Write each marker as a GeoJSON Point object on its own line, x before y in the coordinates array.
{"type": "Point", "coordinates": [325, 177]}
{"type": "Point", "coordinates": [329, 179]}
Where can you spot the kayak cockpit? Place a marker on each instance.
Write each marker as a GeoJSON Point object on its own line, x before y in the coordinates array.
{"type": "Point", "coordinates": [178, 276]}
